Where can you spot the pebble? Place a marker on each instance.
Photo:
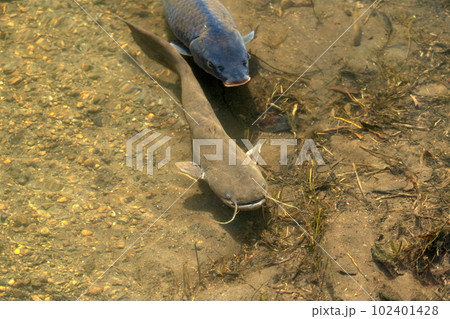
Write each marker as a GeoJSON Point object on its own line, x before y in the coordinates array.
{"type": "Point", "coordinates": [15, 80]}
{"type": "Point", "coordinates": [23, 179]}
{"type": "Point", "coordinates": [102, 209]}
{"type": "Point", "coordinates": [52, 185]}
{"type": "Point", "coordinates": [431, 89]}
{"type": "Point", "coordinates": [22, 282]}
{"type": "Point", "coordinates": [94, 290]}
{"type": "Point", "coordinates": [62, 200]}
{"type": "Point", "coordinates": [89, 162]}
{"type": "Point", "coordinates": [120, 245]}
{"type": "Point", "coordinates": [86, 232]}
{"type": "Point", "coordinates": [94, 76]}
{"type": "Point", "coordinates": [36, 283]}
{"type": "Point", "coordinates": [98, 99]}
{"type": "Point", "coordinates": [86, 67]}
{"type": "Point", "coordinates": [44, 231]}
{"type": "Point", "coordinates": [21, 220]}
{"type": "Point", "coordinates": [9, 68]}
{"type": "Point", "coordinates": [94, 108]}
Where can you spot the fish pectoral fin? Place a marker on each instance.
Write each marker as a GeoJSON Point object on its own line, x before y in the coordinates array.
{"type": "Point", "coordinates": [181, 48]}
{"type": "Point", "coordinates": [190, 169]}
{"type": "Point", "coordinates": [249, 37]}
{"type": "Point", "coordinates": [255, 150]}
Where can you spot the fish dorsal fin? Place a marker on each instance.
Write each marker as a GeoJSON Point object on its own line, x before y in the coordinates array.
{"type": "Point", "coordinates": [181, 48]}
{"type": "Point", "coordinates": [249, 37]}
{"type": "Point", "coordinates": [190, 169]}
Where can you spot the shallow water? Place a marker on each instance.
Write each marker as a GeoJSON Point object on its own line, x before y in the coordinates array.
{"type": "Point", "coordinates": [71, 208]}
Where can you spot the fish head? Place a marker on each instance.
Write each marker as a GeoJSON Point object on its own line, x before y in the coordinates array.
{"type": "Point", "coordinates": [223, 56]}
{"type": "Point", "coordinates": [241, 185]}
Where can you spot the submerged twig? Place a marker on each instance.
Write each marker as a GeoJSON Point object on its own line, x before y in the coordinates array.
{"type": "Point", "coordinates": [354, 263]}
{"type": "Point", "coordinates": [357, 33]}
{"type": "Point", "coordinates": [359, 182]}
{"type": "Point", "coordinates": [198, 264]}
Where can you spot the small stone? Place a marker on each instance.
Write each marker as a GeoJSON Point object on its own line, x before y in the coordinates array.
{"type": "Point", "coordinates": [62, 200]}
{"type": "Point", "coordinates": [150, 195]}
{"type": "Point", "coordinates": [23, 179]}
{"type": "Point", "coordinates": [97, 99]}
{"type": "Point", "coordinates": [9, 68]}
{"type": "Point", "coordinates": [11, 282]}
{"type": "Point", "coordinates": [89, 162]}
{"type": "Point", "coordinates": [94, 76]}
{"type": "Point", "coordinates": [15, 80]}
{"type": "Point", "coordinates": [94, 108]}
{"type": "Point", "coordinates": [432, 89]}
{"type": "Point", "coordinates": [86, 67]}
{"type": "Point", "coordinates": [44, 231]}
{"type": "Point", "coordinates": [21, 220]}
{"type": "Point", "coordinates": [120, 245]}
{"type": "Point", "coordinates": [35, 298]}
{"type": "Point", "coordinates": [97, 120]}
{"type": "Point", "coordinates": [124, 219]}
{"type": "Point", "coordinates": [22, 282]}
{"type": "Point", "coordinates": [102, 209]}
{"type": "Point", "coordinates": [52, 185]}
{"type": "Point", "coordinates": [94, 290]}
{"type": "Point", "coordinates": [86, 232]}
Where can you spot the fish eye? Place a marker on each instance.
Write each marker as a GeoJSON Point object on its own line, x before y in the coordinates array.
{"type": "Point", "coordinates": [228, 196]}
{"type": "Point", "coordinates": [210, 65]}
{"type": "Point", "coordinates": [244, 63]}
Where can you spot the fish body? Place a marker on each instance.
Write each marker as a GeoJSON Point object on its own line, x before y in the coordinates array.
{"type": "Point", "coordinates": [239, 186]}
{"type": "Point", "coordinates": [208, 33]}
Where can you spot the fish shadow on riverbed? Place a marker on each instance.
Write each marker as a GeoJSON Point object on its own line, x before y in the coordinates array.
{"type": "Point", "coordinates": [247, 226]}
{"type": "Point", "coordinates": [235, 107]}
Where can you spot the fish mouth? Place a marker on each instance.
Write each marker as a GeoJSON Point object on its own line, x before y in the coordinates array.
{"type": "Point", "coordinates": [232, 84]}
{"type": "Point", "coordinates": [246, 206]}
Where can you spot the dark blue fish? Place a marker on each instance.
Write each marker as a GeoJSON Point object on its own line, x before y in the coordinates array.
{"type": "Point", "coordinates": [208, 33]}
